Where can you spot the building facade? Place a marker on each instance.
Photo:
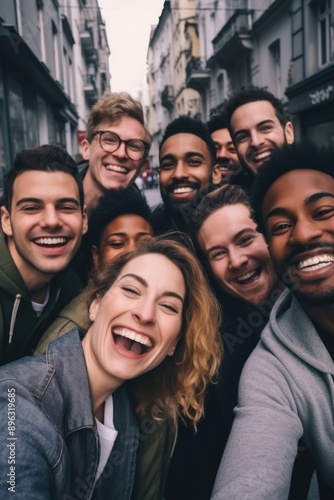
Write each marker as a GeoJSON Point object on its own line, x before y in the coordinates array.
{"type": "Point", "coordinates": [53, 68]}
{"type": "Point", "coordinates": [286, 46]}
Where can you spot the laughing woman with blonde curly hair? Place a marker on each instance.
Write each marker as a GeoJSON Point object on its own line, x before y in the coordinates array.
{"type": "Point", "coordinates": [154, 334]}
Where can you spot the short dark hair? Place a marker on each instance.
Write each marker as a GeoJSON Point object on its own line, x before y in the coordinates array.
{"type": "Point", "coordinates": [253, 94]}
{"type": "Point", "coordinates": [217, 121]}
{"type": "Point", "coordinates": [114, 203]}
{"type": "Point", "coordinates": [46, 158]}
{"type": "Point", "coordinates": [185, 124]}
{"type": "Point", "coordinates": [296, 156]}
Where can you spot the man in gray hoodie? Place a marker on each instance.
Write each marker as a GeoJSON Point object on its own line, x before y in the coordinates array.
{"type": "Point", "coordinates": [286, 390]}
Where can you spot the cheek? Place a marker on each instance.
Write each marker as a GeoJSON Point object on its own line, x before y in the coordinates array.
{"type": "Point", "coordinates": [219, 270]}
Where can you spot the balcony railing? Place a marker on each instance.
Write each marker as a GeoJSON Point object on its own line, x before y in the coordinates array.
{"type": "Point", "coordinates": [234, 35]}
{"type": "Point", "coordinates": [87, 39]}
{"type": "Point", "coordinates": [197, 74]}
{"type": "Point", "coordinates": [90, 89]}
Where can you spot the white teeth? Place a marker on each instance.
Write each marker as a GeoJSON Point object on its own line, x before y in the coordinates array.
{"type": "Point", "coordinates": [116, 168]}
{"type": "Point", "coordinates": [137, 337]}
{"type": "Point", "coordinates": [50, 241]}
{"type": "Point", "coordinates": [247, 276]}
{"type": "Point", "coordinates": [315, 263]}
{"type": "Point", "coordinates": [261, 156]}
{"type": "Point", "coordinates": [181, 190]}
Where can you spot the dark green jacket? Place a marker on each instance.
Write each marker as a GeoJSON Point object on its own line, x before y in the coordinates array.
{"type": "Point", "coordinates": [20, 327]}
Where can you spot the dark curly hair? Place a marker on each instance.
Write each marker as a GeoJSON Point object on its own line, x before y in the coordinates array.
{"type": "Point", "coordinates": [296, 156]}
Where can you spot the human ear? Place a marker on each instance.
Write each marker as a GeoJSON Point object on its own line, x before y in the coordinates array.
{"type": "Point", "coordinates": [5, 222]}
{"type": "Point", "coordinates": [216, 175]}
{"type": "Point", "coordinates": [173, 346]}
{"type": "Point", "coordinates": [85, 148]}
{"type": "Point", "coordinates": [93, 309]}
{"type": "Point", "coordinates": [289, 133]}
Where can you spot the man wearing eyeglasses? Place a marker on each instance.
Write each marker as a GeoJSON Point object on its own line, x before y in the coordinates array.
{"type": "Point", "coordinates": [116, 146]}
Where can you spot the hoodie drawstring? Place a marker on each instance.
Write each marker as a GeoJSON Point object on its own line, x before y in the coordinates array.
{"type": "Point", "coordinates": [13, 318]}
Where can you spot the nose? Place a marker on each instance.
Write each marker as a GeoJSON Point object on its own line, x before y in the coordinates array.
{"type": "Point", "coordinates": [181, 170]}
{"type": "Point", "coordinates": [121, 150]}
{"type": "Point", "coordinates": [51, 218]}
{"type": "Point", "coordinates": [145, 311]}
{"type": "Point", "coordinates": [256, 138]}
{"type": "Point", "coordinates": [304, 231]}
{"type": "Point", "coordinates": [237, 258]}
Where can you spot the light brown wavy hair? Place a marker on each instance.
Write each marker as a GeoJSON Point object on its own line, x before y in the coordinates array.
{"type": "Point", "coordinates": [177, 386]}
{"type": "Point", "coordinates": [112, 107]}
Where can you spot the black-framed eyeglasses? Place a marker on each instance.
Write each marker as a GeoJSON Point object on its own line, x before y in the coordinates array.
{"type": "Point", "coordinates": [136, 149]}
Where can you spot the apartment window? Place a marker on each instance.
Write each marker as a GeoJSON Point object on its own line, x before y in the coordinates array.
{"type": "Point", "coordinates": [220, 88]}
{"type": "Point", "coordinates": [324, 32]}
{"type": "Point", "coordinates": [42, 34]}
{"type": "Point", "coordinates": [55, 50]}
{"type": "Point", "coordinates": [275, 56]}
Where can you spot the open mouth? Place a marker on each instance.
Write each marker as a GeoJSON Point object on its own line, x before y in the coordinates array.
{"type": "Point", "coordinates": [249, 277]}
{"type": "Point", "coordinates": [117, 169]}
{"type": "Point", "coordinates": [315, 263]}
{"type": "Point", "coordinates": [51, 242]}
{"type": "Point", "coordinates": [183, 190]}
{"type": "Point", "coordinates": [129, 340]}
{"type": "Point", "coordinates": [261, 157]}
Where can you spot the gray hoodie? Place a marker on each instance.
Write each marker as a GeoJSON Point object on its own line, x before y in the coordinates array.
{"type": "Point", "coordinates": [286, 392]}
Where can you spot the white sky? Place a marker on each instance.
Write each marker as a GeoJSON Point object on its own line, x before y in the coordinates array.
{"type": "Point", "coordinates": [128, 24]}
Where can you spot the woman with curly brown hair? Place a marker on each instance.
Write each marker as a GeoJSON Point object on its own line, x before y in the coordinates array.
{"type": "Point", "coordinates": [154, 330]}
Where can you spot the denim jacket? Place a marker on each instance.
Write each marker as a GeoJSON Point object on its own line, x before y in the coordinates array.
{"type": "Point", "coordinates": [50, 445]}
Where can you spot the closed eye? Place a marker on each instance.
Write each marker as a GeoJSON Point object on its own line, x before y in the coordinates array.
{"type": "Point", "coordinates": [169, 307]}
{"type": "Point", "coordinates": [219, 254]}
{"type": "Point", "coordinates": [280, 228]}
{"type": "Point", "coordinates": [130, 290]}
{"type": "Point", "coordinates": [324, 212]}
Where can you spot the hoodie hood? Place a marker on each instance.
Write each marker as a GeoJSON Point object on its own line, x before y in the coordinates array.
{"type": "Point", "coordinates": [303, 341]}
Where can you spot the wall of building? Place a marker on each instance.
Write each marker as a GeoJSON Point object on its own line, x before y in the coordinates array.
{"type": "Point", "coordinates": [43, 73]}
{"type": "Point", "coordinates": [275, 44]}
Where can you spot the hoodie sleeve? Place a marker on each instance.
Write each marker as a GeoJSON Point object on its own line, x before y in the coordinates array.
{"type": "Point", "coordinates": [260, 453]}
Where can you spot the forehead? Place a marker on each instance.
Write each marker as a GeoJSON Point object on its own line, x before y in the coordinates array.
{"type": "Point", "coordinates": [45, 185]}
{"type": "Point", "coordinates": [127, 223]}
{"type": "Point", "coordinates": [179, 145]}
{"type": "Point", "coordinates": [158, 271]}
{"type": "Point", "coordinates": [223, 224]}
{"type": "Point", "coordinates": [251, 113]}
{"type": "Point", "coordinates": [283, 192]}
{"type": "Point", "coordinates": [222, 136]}
{"type": "Point", "coordinates": [126, 126]}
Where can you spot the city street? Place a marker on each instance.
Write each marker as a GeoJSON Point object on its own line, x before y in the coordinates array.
{"type": "Point", "coordinates": [153, 196]}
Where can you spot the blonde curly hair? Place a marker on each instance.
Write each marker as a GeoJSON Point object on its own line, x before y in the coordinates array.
{"type": "Point", "coordinates": [176, 388]}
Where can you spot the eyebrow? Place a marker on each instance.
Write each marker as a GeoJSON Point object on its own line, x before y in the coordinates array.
{"type": "Point", "coordinates": [171, 156]}
{"type": "Point", "coordinates": [269, 120]}
{"type": "Point", "coordinates": [236, 236]}
{"type": "Point", "coordinates": [120, 233]}
{"type": "Point", "coordinates": [308, 201]}
{"type": "Point", "coordinates": [143, 282]}
{"type": "Point", "coordinates": [38, 200]}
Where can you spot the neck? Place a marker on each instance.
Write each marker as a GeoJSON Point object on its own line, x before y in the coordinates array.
{"type": "Point", "coordinates": [35, 281]}
{"type": "Point", "coordinates": [321, 316]}
{"type": "Point", "coordinates": [102, 384]}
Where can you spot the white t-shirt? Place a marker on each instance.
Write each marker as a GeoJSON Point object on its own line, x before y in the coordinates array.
{"type": "Point", "coordinates": [37, 307]}
{"type": "Point", "coordinates": [107, 434]}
